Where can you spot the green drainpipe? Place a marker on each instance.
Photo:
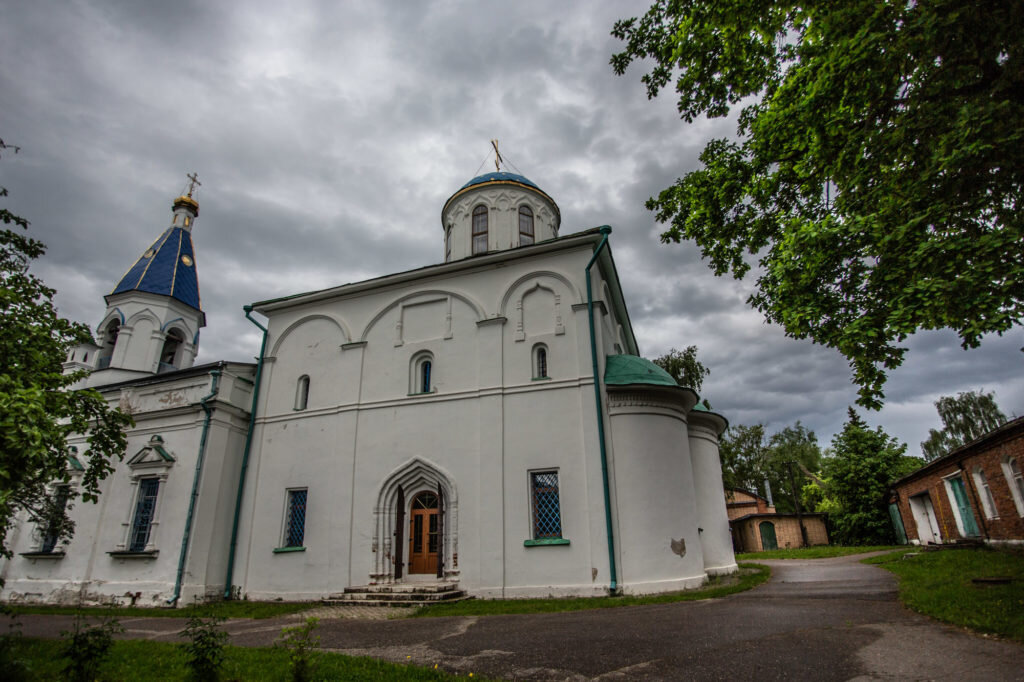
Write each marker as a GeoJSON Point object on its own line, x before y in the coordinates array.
{"type": "Point", "coordinates": [195, 485]}
{"type": "Point", "coordinates": [245, 455]}
{"type": "Point", "coordinates": [613, 585]}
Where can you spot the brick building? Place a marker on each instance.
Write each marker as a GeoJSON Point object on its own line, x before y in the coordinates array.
{"type": "Point", "coordinates": [976, 492]}
{"type": "Point", "coordinates": [757, 527]}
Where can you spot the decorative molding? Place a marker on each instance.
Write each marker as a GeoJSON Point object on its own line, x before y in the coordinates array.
{"type": "Point", "coordinates": [545, 542]}
{"type": "Point", "coordinates": [353, 345]}
{"type": "Point", "coordinates": [577, 307]}
{"type": "Point", "coordinates": [499, 320]}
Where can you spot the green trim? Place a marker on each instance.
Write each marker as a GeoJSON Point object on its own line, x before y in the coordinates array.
{"type": "Point", "coordinates": [541, 379]}
{"type": "Point", "coordinates": [543, 542]}
{"type": "Point", "coordinates": [283, 550]}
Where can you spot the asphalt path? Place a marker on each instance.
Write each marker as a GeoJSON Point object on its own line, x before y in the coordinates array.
{"type": "Point", "coordinates": [823, 619]}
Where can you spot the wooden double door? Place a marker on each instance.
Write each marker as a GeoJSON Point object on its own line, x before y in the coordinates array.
{"type": "Point", "coordinates": [424, 536]}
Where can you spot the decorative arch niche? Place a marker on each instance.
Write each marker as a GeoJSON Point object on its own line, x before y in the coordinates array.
{"type": "Point", "coordinates": [400, 487]}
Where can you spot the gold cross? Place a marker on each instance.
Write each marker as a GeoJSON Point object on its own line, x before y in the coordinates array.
{"type": "Point", "coordinates": [194, 177]}
{"type": "Point", "coordinates": [497, 156]}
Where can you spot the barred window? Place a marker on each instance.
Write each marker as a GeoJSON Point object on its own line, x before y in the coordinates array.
{"type": "Point", "coordinates": [295, 520]}
{"type": "Point", "coordinates": [145, 510]}
{"type": "Point", "coordinates": [480, 229]}
{"type": "Point", "coordinates": [547, 516]}
{"type": "Point", "coordinates": [540, 361]}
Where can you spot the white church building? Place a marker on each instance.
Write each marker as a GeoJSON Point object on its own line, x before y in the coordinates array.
{"type": "Point", "coordinates": [440, 426]}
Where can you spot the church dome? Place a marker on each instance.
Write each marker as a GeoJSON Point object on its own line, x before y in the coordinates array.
{"type": "Point", "coordinates": [497, 211]}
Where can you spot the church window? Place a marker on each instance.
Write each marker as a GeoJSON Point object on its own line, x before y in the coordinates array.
{"type": "Point", "coordinates": [525, 225]}
{"type": "Point", "coordinates": [51, 532]}
{"type": "Point", "coordinates": [109, 341]}
{"type": "Point", "coordinates": [421, 373]}
{"type": "Point", "coordinates": [295, 518]}
{"type": "Point", "coordinates": [302, 393]}
{"type": "Point", "coordinates": [547, 513]}
{"type": "Point", "coordinates": [448, 244]}
{"type": "Point", "coordinates": [479, 229]}
{"type": "Point", "coordinates": [145, 510]}
{"type": "Point", "coordinates": [170, 354]}
{"type": "Point", "coordinates": [540, 362]}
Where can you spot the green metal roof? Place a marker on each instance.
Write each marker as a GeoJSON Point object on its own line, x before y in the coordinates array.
{"type": "Point", "coordinates": [621, 370]}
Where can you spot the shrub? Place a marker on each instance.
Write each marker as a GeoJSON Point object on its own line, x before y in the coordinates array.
{"type": "Point", "coordinates": [86, 646]}
{"type": "Point", "coordinates": [301, 644]}
{"type": "Point", "coordinates": [205, 648]}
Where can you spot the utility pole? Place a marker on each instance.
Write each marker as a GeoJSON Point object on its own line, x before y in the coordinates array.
{"type": "Point", "coordinates": [796, 501]}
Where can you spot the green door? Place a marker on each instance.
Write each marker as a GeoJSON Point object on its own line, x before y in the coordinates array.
{"type": "Point", "coordinates": [768, 540]}
{"type": "Point", "coordinates": [897, 523]}
{"type": "Point", "coordinates": [966, 516]}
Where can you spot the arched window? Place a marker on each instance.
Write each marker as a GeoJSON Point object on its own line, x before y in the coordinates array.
{"type": "Point", "coordinates": [170, 355]}
{"type": "Point", "coordinates": [448, 244]}
{"type": "Point", "coordinates": [540, 361]}
{"type": "Point", "coordinates": [302, 392]}
{"type": "Point", "coordinates": [421, 373]}
{"type": "Point", "coordinates": [480, 229]}
{"type": "Point", "coordinates": [108, 343]}
{"type": "Point", "coordinates": [525, 225]}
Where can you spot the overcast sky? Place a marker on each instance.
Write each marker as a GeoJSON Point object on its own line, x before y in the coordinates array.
{"type": "Point", "coordinates": [327, 136]}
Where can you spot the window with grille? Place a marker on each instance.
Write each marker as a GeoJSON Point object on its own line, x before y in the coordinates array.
{"type": "Point", "coordinates": [480, 229]}
{"type": "Point", "coordinates": [295, 521]}
{"type": "Point", "coordinates": [525, 225]}
{"type": "Point", "coordinates": [145, 510]}
{"type": "Point", "coordinates": [547, 513]}
{"type": "Point", "coordinates": [51, 533]}
{"type": "Point", "coordinates": [540, 362]}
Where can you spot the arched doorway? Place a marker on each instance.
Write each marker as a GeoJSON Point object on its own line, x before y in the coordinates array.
{"type": "Point", "coordinates": [424, 533]}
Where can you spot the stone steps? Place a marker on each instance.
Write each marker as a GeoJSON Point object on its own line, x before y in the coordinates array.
{"type": "Point", "coordinates": [402, 594]}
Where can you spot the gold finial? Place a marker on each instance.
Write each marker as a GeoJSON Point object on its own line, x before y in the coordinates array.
{"type": "Point", "coordinates": [497, 156]}
{"type": "Point", "coordinates": [194, 178]}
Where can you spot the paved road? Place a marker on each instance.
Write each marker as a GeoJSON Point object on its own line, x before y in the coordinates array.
{"type": "Point", "coordinates": [826, 619]}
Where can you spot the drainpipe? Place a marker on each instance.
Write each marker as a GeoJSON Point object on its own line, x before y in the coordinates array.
{"type": "Point", "coordinates": [195, 485]}
{"type": "Point", "coordinates": [613, 586]}
{"type": "Point", "coordinates": [245, 454]}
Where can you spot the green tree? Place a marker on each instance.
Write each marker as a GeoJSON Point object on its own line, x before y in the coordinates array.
{"type": "Point", "coordinates": [862, 464]}
{"type": "Point", "coordinates": [750, 458]}
{"type": "Point", "coordinates": [37, 411]}
{"type": "Point", "coordinates": [684, 367]}
{"type": "Point", "coordinates": [968, 416]}
{"type": "Point", "coordinates": [877, 170]}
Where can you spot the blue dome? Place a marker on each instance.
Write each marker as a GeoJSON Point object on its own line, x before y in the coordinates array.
{"type": "Point", "coordinates": [499, 177]}
{"type": "Point", "coordinates": [166, 268]}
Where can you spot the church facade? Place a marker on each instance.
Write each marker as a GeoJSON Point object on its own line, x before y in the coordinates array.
{"type": "Point", "coordinates": [440, 425]}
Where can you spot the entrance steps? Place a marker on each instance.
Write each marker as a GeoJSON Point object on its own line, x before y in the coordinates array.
{"type": "Point", "coordinates": [399, 594]}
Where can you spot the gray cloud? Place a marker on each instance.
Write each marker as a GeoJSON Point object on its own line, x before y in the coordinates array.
{"type": "Point", "coordinates": [328, 135]}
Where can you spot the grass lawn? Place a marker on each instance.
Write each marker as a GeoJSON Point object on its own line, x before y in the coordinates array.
{"type": "Point", "coordinates": [141, 660]}
{"type": "Point", "coordinates": [941, 584]}
{"type": "Point", "coordinates": [750, 576]}
{"type": "Point", "coordinates": [227, 609]}
{"type": "Point", "coordinates": [816, 552]}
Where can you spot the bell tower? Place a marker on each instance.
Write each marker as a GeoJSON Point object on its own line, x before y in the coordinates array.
{"type": "Point", "coordinates": [154, 314]}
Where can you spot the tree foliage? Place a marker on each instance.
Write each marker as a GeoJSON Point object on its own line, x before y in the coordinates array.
{"type": "Point", "coordinates": [968, 416]}
{"type": "Point", "coordinates": [877, 171]}
{"type": "Point", "coordinates": [750, 458]}
{"type": "Point", "coordinates": [684, 367]}
{"type": "Point", "coordinates": [37, 412]}
{"type": "Point", "coordinates": [862, 464]}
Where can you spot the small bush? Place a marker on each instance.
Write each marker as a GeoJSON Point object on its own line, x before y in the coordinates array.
{"type": "Point", "coordinates": [205, 648]}
{"type": "Point", "coordinates": [301, 644]}
{"type": "Point", "coordinates": [86, 647]}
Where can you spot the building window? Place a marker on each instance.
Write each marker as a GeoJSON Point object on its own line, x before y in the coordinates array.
{"type": "Point", "coordinates": [109, 341]}
{"type": "Point", "coordinates": [302, 392]}
{"type": "Point", "coordinates": [51, 534]}
{"type": "Point", "coordinates": [480, 229]}
{"type": "Point", "coordinates": [295, 519]}
{"type": "Point", "coordinates": [547, 513]}
{"type": "Point", "coordinates": [540, 362]}
{"type": "Point", "coordinates": [169, 356]}
{"type": "Point", "coordinates": [448, 244]}
{"type": "Point", "coordinates": [145, 510]}
{"type": "Point", "coordinates": [988, 502]}
{"type": "Point", "coordinates": [421, 373]}
{"type": "Point", "coordinates": [525, 225]}
{"type": "Point", "coordinates": [1014, 479]}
